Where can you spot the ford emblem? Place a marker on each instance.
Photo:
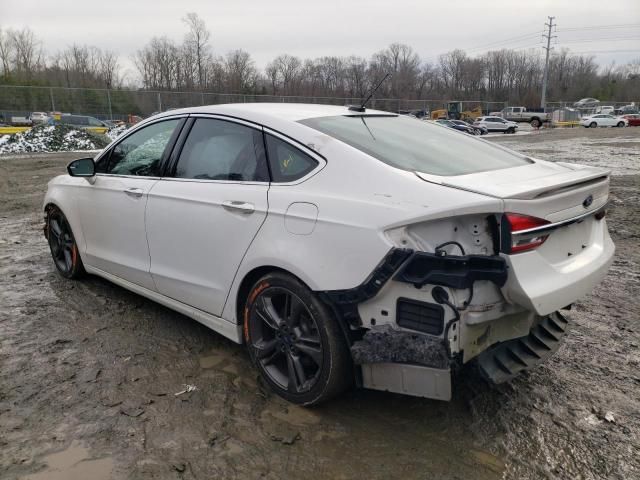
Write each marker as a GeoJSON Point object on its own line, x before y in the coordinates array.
{"type": "Point", "coordinates": [587, 201]}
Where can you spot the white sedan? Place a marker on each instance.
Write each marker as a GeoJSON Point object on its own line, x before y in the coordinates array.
{"type": "Point", "coordinates": [341, 245]}
{"type": "Point", "coordinates": [603, 120]}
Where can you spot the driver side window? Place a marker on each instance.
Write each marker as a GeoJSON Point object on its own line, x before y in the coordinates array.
{"type": "Point", "coordinates": [140, 154]}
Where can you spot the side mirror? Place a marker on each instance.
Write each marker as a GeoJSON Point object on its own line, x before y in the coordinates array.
{"type": "Point", "coordinates": [83, 167]}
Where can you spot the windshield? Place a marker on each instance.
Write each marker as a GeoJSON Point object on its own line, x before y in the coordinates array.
{"type": "Point", "coordinates": [414, 145]}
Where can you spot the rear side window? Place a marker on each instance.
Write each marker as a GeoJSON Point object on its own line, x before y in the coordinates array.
{"type": "Point", "coordinates": [413, 145]}
{"type": "Point", "coordinates": [221, 150]}
{"type": "Point", "coordinates": [287, 162]}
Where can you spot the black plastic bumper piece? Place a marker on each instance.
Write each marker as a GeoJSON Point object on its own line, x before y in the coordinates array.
{"type": "Point", "coordinates": [506, 360]}
{"type": "Point", "coordinates": [451, 270]}
{"type": "Point", "coordinates": [346, 301]}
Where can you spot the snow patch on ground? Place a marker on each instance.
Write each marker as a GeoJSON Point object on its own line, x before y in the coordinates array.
{"type": "Point", "coordinates": [115, 132]}
{"type": "Point", "coordinates": [51, 138]}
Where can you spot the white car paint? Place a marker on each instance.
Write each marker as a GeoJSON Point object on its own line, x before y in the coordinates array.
{"type": "Point", "coordinates": [495, 124]}
{"type": "Point", "coordinates": [603, 120]}
{"type": "Point", "coordinates": [190, 243]}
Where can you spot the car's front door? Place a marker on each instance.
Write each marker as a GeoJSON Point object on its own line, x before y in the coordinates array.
{"type": "Point", "coordinates": [112, 206]}
{"type": "Point", "coordinates": [202, 219]}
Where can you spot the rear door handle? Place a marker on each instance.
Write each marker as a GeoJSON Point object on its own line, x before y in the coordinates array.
{"type": "Point", "coordinates": [243, 207]}
{"type": "Point", "coordinates": [134, 192]}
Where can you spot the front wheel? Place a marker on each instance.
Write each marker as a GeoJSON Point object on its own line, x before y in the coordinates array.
{"type": "Point", "coordinates": [593, 125]}
{"type": "Point", "coordinates": [62, 244]}
{"type": "Point", "coordinates": [535, 123]}
{"type": "Point", "coordinates": [620, 124]}
{"type": "Point", "coordinates": [295, 341]}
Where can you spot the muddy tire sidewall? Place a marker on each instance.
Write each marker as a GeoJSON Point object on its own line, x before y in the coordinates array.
{"type": "Point", "coordinates": [336, 374]}
{"type": "Point", "coordinates": [77, 269]}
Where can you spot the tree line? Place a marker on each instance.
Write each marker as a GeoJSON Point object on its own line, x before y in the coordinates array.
{"type": "Point", "coordinates": [513, 76]}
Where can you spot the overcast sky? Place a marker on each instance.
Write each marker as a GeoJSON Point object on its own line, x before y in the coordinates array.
{"type": "Point", "coordinates": [267, 28]}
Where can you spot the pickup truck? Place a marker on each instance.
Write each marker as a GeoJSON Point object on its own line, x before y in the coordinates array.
{"type": "Point", "coordinates": [520, 114]}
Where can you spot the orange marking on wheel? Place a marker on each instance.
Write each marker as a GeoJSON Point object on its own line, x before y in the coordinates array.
{"type": "Point", "coordinates": [246, 324]}
{"type": "Point", "coordinates": [252, 297]}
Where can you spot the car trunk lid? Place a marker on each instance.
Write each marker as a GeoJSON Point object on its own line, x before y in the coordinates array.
{"type": "Point", "coordinates": [553, 191]}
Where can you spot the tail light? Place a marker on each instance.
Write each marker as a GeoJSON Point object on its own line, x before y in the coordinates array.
{"type": "Point", "coordinates": [522, 232]}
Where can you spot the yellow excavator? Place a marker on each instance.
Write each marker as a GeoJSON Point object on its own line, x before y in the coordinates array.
{"type": "Point", "coordinates": [454, 112]}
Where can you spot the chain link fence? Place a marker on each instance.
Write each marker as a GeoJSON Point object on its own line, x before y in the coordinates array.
{"type": "Point", "coordinates": [119, 104]}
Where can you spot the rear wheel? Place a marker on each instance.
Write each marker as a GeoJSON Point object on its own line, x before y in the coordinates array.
{"type": "Point", "coordinates": [593, 125]}
{"type": "Point", "coordinates": [295, 341]}
{"type": "Point", "coordinates": [62, 244]}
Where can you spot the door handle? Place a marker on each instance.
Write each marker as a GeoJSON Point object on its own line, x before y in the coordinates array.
{"type": "Point", "coordinates": [134, 192]}
{"type": "Point", "coordinates": [242, 207]}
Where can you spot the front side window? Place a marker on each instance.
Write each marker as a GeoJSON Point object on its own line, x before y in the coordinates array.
{"type": "Point", "coordinates": [413, 145]}
{"type": "Point", "coordinates": [140, 153]}
{"type": "Point", "coordinates": [222, 150]}
{"type": "Point", "coordinates": [287, 162]}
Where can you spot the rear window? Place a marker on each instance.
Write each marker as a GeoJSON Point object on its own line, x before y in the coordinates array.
{"type": "Point", "coordinates": [414, 145]}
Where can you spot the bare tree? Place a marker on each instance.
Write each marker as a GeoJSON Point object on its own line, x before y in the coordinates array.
{"type": "Point", "coordinates": [197, 40]}
{"type": "Point", "coordinates": [240, 72]}
{"type": "Point", "coordinates": [6, 51]}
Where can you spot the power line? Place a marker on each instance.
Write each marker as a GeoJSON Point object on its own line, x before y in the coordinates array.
{"type": "Point", "coordinates": [601, 27]}
{"type": "Point", "coordinates": [604, 51]}
{"type": "Point", "coordinates": [506, 40]}
{"type": "Point", "coordinates": [604, 39]}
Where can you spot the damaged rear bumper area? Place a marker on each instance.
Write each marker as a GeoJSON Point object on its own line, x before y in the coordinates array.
{"type": "Point", "coordinates": [415, 344]}
{"type": "Point", "coordinates": [507, 359]}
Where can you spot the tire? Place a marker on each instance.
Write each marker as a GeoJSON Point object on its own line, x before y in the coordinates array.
{"type": "Point", "coordinates": [62, 244]}
{"type": "Point", "coordinates": [620, 124]}
{"type": "Point", "coordinates": [593, 125]}
{"type": "Point", "coordinates": [510, 130]}
{"type": "Point", "coordinates": [295, 341]}
{"type": "Point", "coordinates": [535, 123]}
{"type": "Point", "coordinates": [477, 131]}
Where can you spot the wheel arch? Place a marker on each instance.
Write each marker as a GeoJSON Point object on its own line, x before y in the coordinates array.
{"type": "Point", "coordinates": [250, 279]}
{"type": "Point", "coordinates": [57, 197]}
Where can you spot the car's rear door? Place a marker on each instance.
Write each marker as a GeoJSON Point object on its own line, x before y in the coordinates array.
{"type": "Point", "coordinates": [112, 206]}
{"type": "Point", "coordinates": [203, 216]}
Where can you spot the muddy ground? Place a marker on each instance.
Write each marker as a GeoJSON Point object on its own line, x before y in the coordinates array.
{"type": "Point", "coordinates": [89, 374]}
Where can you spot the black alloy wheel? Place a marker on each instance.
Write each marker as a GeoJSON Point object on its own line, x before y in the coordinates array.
{"type": "Point", "coordinates": [295, 342]}
{"type": "Point", "coordinates": [63, 245]}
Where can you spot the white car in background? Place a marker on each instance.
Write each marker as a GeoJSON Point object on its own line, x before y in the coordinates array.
{"type": "Point", "coordinates": [39, 118]}
{"type": "Point", "coordinates": [603, 120]}
{"type": "Point", "coordinates": [605, 109]}
{"type": "Point", "coordinates": [496, 124]}
{"type": "Point", "coordinates": [340, 244]}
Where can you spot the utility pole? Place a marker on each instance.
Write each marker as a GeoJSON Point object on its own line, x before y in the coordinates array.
{"type": "Point", "coordinates": [548, 36]}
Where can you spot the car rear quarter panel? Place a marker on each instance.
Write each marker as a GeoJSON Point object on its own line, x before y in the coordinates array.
{"type": "Point", "coordinates": [357, 198]}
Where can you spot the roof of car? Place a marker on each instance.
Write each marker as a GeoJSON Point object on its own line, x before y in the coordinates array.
{"type": "Point", "coordinates": [281, 111]}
